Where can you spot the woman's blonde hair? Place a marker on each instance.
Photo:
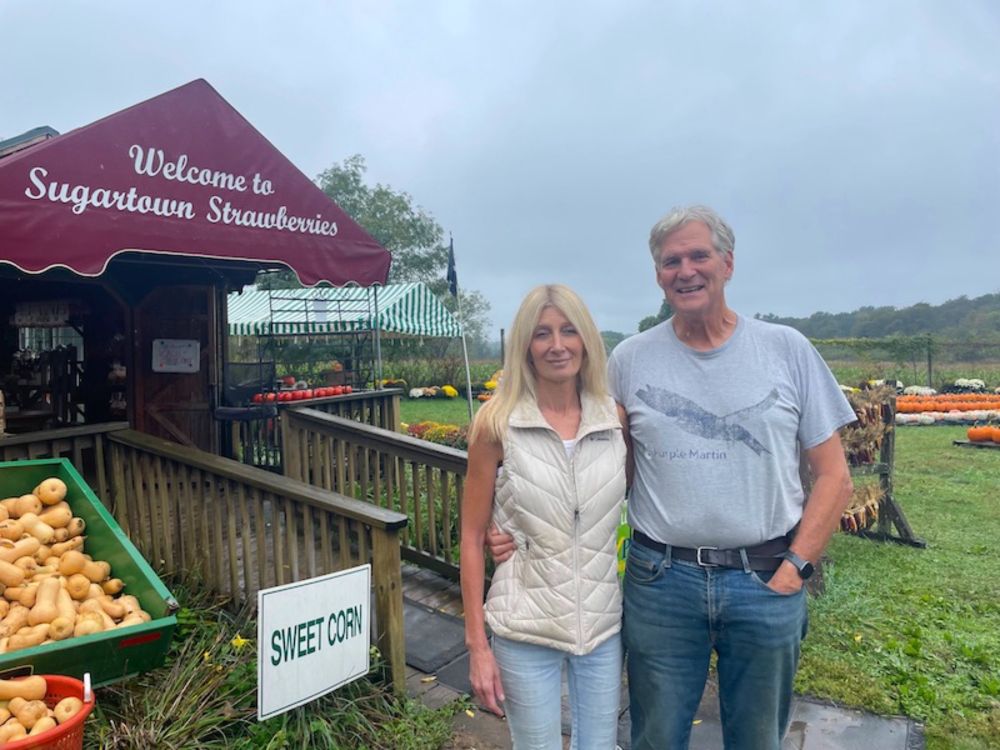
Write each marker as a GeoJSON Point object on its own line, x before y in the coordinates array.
{"type": "Point", "coordinates": [518, 380]}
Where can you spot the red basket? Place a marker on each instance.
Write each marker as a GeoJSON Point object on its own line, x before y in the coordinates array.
{"type": "Point", "coordinates": [66, 736]}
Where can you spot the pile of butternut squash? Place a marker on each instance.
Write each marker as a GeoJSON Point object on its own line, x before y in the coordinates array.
{"type": "Point", "coordinates": [51, 589]}
{"type": "Point", "coordinates": [24, 713]}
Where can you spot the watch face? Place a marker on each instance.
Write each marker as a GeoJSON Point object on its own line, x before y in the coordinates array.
{"type": "Point", "coordinates": [806, 571]}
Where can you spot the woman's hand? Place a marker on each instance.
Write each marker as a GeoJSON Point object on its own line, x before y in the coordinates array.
{"type": "Point", "coordinates": [500, 544]}
{"type": "Point", "coordinates": [485, 678]}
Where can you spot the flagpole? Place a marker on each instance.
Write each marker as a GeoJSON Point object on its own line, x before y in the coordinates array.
{"type": "Point", "coordinates": [453, 288]}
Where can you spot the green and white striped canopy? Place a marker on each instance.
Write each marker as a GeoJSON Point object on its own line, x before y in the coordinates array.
{"type": "Point", "coordinates": [399, 309]}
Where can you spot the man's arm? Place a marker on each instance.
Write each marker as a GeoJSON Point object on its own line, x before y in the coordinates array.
{"type": "Point", "coordinates": [831, 492]}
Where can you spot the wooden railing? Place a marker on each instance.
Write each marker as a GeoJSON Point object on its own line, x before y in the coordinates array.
{"type": "Point", "coordinates": [257, 442]}
{"type": "Point", "coordinates": [84, 446]}
{"type": "Point", "coordinates": [393, 471]}
{"type": "Point", "coordinates": [246, 529]}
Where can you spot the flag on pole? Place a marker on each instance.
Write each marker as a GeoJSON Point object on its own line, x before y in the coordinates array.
{"type": "Point", "coordinates": [452, 276]}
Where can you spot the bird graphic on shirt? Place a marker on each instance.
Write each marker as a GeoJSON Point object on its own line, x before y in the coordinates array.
{"type": "Point", "coordinates": [695, 420]}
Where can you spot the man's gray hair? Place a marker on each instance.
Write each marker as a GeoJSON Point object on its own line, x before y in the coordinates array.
{"type": "Point", "coordinates": [723, 238]}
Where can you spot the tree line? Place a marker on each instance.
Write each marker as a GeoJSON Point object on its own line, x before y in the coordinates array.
{"type": "Point", "coordinates": [961, 319]}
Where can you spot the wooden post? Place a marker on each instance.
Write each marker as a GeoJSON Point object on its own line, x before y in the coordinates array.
{"type": "Point", "coordinates": [388, 579]}
{"type": "Point", "coordinates": [930, 369]}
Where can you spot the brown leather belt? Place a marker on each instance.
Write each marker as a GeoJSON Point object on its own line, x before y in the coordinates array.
{"type": "Point", "coordinates": [764, 556]}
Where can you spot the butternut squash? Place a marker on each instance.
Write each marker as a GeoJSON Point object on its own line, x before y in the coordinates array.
{"type": "Point", "coordinates": [71, 561]}
{"type": "Point", "coordinates": [87, 623]}
{"type": "Point", "coordinates": [67, 708]}
{"type": "Point", "coordinates": [37, 527]}
{"type": "Point", "coordinates": [51, 491]}
{"type": "Point", "coordinates": [27, 688]}
{"type": "Point", "coordinates": [57, 516]}
{"type": "Point", "coordinates": [11, 575]}
{"type": "Point", "coordinates": [65, 605]}
{"type": "Point", "coordinates": [72, 544]}
{"type": "Point", "coordinates": [93, 606]}
{"type": "Point", "coordinates": [114, 609]}
{"type": "Point", "coordinates": [76, 526]}
{"type": "Point", "coordinates": [97, 570]}
{"type": "Point", "coordinates": [29, 637]}
{"type": "Point", "coordinates": [60, 629]}
{"type": "Point", "coordinates": [26, 504]}
{"type": "Point", "coordinates": [113, 586]}
{"type": "Point", "coordinates": [16, 619]}
{"type": "Point", "coordinates": [11, 529]}
{"type": "Point", "coordinates": [45, 609]}
{"type": "Point", "coordinates": [28, 713]}
{"type": "Point", "coordinates": [10, 551]}
{"type": "Point", "coordinates": [42, 725]}
{"type": "Point", "coordinates": [12, 731]}
{"type": "Point", "coordinates": [78, 586]}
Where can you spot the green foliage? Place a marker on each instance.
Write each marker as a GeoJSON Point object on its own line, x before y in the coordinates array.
{"type": "Point", "coordinates": [917, 632]}
{"type": "Point", "coordinates": [651, 320]}
{"type": "Point", "coordinates": [612, 339]}
{"type": "Point", "coordinates": [413, 236]}
{"type": "Point", "coordinates": [205, 697]}
{"type": "Point", "coordinates": [441, 410]}
{"type": "Point", "coordinates": [956, 319]}
{"type": "Point", "coordinates": [855, 371]}
{"type": "Point", "coordinates": [450, 369]}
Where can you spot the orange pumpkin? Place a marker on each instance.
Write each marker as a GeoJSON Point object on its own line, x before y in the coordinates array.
{"type": "Point", "coordinates": [980, 434]}
{"type": "Point", "coordinates": [995, 434]}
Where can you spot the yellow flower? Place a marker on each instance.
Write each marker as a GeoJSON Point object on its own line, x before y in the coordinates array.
{"type": "Point", "coordinates": [239, 642]}
{"type": "Point", "coordinates": [206, 657]}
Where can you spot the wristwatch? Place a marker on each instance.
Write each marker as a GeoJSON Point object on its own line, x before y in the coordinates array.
{"type": "Point", "coordinates": [805, 568]}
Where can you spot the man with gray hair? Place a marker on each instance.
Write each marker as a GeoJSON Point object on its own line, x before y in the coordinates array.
{"type": "Point", "coordinates": [724, 536]}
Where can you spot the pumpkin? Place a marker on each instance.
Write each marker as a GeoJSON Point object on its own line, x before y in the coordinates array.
{"type": "Point", "coordinates": [980, 434]}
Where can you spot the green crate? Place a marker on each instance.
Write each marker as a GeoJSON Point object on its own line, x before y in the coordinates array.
{"type": "Point", "coordinates": [112, 655]}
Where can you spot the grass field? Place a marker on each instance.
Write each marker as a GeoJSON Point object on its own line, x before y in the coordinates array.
{"type": "Point", "coordinates": [443, 410]}
{"type": "Point", "coordinates": [917, 632]}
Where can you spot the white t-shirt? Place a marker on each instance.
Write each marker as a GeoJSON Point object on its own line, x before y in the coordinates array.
{"type": "Point", "coordinates": [717, 434]}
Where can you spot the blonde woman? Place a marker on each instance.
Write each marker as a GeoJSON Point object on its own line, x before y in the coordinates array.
{"type": "Point", "coordinates": [547, 457]}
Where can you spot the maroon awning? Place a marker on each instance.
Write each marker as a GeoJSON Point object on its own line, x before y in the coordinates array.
{"type": "Point", "coordinates": [184, 174]}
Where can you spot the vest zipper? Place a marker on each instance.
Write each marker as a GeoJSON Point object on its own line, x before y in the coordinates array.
{"type": "Point", "coordinates": [576, 548]}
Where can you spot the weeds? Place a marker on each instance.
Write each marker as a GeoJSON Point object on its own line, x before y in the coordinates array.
{"type": "Point", "coordinates": [205, 697]}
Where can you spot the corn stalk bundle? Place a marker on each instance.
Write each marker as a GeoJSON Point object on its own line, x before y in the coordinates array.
{"type": "Point", "coordinates": [874, 410]}
{"type": "Point", "coordinates": [863, 510]}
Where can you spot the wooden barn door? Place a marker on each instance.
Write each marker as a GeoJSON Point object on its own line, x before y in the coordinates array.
{"type": "Point", "coordinates": [177, 406]}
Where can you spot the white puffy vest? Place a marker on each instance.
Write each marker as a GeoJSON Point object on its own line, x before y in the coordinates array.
{"type": "Point", "coordinates": [560, 587]}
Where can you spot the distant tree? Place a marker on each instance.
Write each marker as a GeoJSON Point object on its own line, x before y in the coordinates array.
{"type": "Point", "coordinates": [651, 320]}
{"type": "Point", "coordinates": [612, 339]}
{"type": "Point", "coordinates": [412, 235]}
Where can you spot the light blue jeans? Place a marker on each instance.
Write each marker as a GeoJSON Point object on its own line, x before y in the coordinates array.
{"type": "Point", "coordinates": [532, 685]}
{"type": "Point", "coordinates": [676, 615]}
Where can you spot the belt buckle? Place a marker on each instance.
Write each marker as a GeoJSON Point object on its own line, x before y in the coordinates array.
{"type": "Point", "coordinates": [697, 557]}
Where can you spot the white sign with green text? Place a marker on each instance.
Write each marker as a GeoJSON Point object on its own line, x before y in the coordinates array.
{"type": "Point", "coordinates": [312, 637]}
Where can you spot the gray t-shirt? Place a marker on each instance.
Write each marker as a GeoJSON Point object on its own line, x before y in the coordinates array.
{"type": "Point", "coordinates": [716, 434]}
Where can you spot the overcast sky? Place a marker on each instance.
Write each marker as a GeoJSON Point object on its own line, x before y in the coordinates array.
{"type": "Point", "coordinates": [854, 146]}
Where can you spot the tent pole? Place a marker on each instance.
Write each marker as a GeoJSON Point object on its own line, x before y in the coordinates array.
{"type": "Point", "coordinates": [465, 356]}
{"type": "Point", "coordinates": [378, 344]}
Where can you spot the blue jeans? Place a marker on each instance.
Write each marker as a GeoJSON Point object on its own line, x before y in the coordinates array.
{"type": "Point", "coordinates": [532, 686]}
{"type": "Point", "coordinates": [676, 614]}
